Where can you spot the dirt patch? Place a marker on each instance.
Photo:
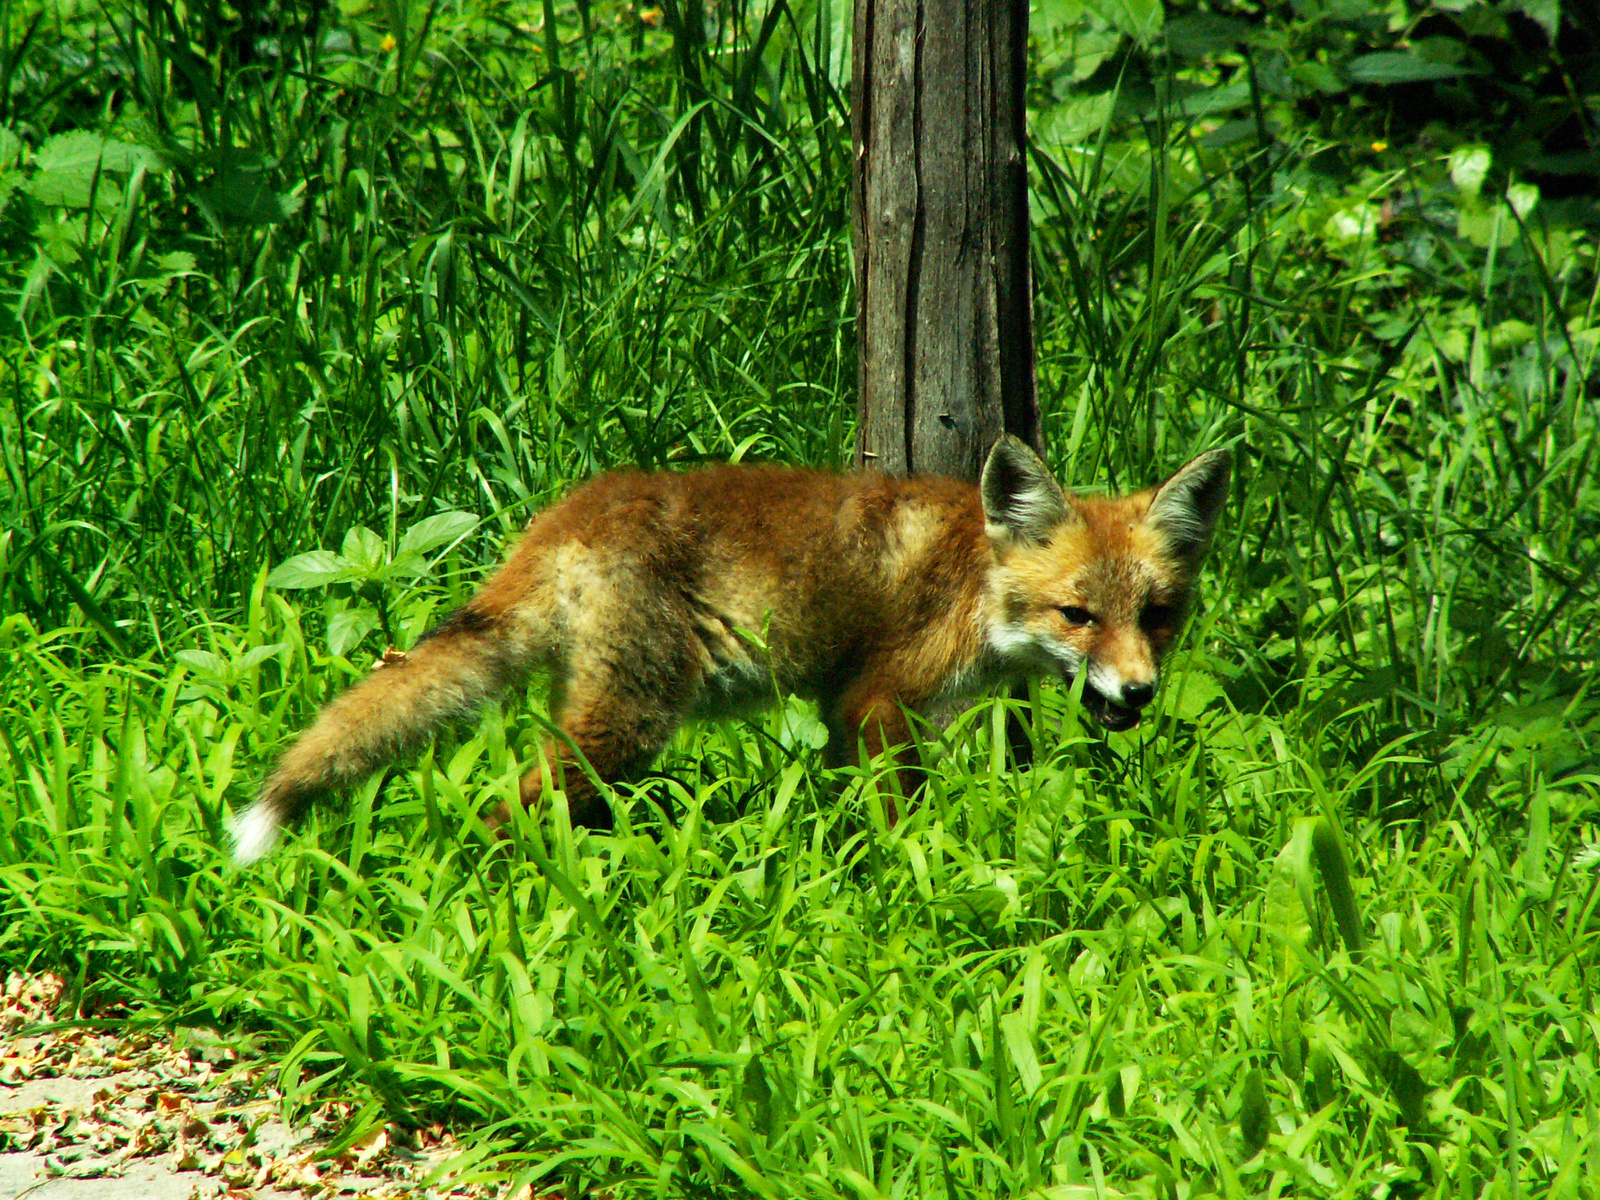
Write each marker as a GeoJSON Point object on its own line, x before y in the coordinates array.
{"type": "Point", "coordinates": [90, 1114]}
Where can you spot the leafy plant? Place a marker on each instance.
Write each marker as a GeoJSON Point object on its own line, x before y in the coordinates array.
{"type": "Point", "coordinates": [365, 564]}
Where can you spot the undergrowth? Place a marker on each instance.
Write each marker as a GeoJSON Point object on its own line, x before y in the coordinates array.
{"type": "Point", "coordinates": [309, 309]}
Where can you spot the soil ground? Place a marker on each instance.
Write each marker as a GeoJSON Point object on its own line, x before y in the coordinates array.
{"type": "Point", "coordinates": [88, 1112]}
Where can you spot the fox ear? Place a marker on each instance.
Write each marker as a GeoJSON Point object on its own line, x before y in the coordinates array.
{"type": "Point", "coordinates": [1185, 508]}
{"type": "Point", "coordinates": [1021, 499]}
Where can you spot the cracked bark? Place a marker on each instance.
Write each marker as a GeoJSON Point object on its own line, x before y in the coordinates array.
{"type": "Point", "coordinates": [940, 207]}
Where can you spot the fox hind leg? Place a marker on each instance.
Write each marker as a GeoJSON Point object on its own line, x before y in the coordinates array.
{"type": "Point", "coordinates": [617, 737]}
{"type": "Point", "coordinates": [619, 713]}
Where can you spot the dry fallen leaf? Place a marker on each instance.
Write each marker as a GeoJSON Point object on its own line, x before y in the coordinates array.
{"type": "Point", "coordinates": [199, 1110]}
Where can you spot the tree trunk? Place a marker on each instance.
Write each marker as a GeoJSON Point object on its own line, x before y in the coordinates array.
{"type": "Point", "coordinates": [944, 292]}
{"type": "Point", "coordinates": [944, 307]}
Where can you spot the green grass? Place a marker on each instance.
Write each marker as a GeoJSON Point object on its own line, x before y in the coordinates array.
{"type": "Point", "coordinates": [415, 275]}
{"type": "Point", "coordinates": [1036, 979]}
{"type": "Point", "coordinates": [1327, 926]}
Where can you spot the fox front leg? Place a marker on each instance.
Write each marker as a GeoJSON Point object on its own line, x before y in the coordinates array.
{"type": "Point", "coordinates": [868, 725]}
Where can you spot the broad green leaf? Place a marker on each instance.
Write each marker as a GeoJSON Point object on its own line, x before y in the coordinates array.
{"type": "Point", "coordinates": [1227, 98]}
{"type": "Point", "coordinates": [1318, 75]}
{"type": "Point", "coordinates": [1019, 1043]}
{"type": "Point", "coordinates": [1078, 119]}
{"type": "Point", "coordinates": [1392, 66]}
{"type": "Point", "coordinates": [1510, 334]}
{"type": "Point", "coordinates": [317, 568]}
{"type": "Point", "coordinates": [84, 151]}
{"type": "Point", "coordinates": [66, 166]}
{"type": "Point", "coordinates": [1468, 166]}
{"type": "Point", "coordinates": [203, 661]}
{"type": "Point", "coordinates": [800, 727]}
{"type": "Point", "coordinates": [1290, 900]}
{"type": "Point", "coordinates": [347, 627]}
{"type": "Point", "coordinates": [1357, 223]}
{"type": "Point", "coordinates": [1196, 690]}
{"type": "Point", "coordinates": [1523, 197]}
{"type": "Point", "coordinates": [1255, 1118]}
{"type": "Point", "coordinates": [1200, 34]}
{"type": "Point", "coordinates": [246, 195]}
{"type": "Point", "coordinates": [1545, 13]}
{"type": "Point", "coordinates": [1477, 225]}
{"type": "Point", "coordinates": [364, 551]}
{"type": "Point", "coordinates": [406, 565]}
{"type": "Point", "coordinates": [429, 534]}
{"type": "Point", "coordinates": [1139, 19]}
{"type": "Point", "coordinates": [258, 655]}
{"type": "Point", "coordinates": [9, 182]}
{"type": "Point", "coordinates": [1049, 17]}
{"type": "Point", "coordinates": [1328, 849]}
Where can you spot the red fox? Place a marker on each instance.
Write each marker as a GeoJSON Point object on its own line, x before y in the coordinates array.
{"type": "Point", "coordinates": [652, 598]}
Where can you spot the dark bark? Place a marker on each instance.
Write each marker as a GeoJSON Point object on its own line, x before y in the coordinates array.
{"type": "Point", "coordinates": [944, 306]}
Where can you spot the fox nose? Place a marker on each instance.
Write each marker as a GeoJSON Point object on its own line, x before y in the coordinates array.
{"type": "Point", "coordinates": [1137, 695]}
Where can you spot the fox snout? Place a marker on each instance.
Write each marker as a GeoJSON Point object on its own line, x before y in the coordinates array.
{"type": "Point", "coordinates": [1137, 695]}
{"type": "Point", "coordinates": [1123, 669]}
{"type": "Point", "coordinates": [1114, 698]}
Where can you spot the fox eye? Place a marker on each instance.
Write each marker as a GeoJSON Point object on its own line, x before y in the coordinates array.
{"type": "Point", "coordinates": [1156, 616]}
{"type": "Point", "coordinates": [1076, 615]}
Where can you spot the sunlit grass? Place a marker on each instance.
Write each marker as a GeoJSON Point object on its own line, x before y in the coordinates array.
{"type": "Point", "coordinates": [1325, 925]}
{"type": "Point", "coordinates": [1029, 979]}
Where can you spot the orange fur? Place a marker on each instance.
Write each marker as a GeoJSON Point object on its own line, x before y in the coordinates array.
{"type": "Point", "coordinates": [653, 598]}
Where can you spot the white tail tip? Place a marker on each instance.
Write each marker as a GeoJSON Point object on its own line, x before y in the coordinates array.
{"type": "Point", "coordinates": [254, 831]}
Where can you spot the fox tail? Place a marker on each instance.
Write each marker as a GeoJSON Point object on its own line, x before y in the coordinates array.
{"type": "Point", "coordinates": [448, 676]}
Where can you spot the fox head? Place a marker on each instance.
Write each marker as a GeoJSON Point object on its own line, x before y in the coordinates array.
{"type": "Point", "coordinates": [1092, 584]}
